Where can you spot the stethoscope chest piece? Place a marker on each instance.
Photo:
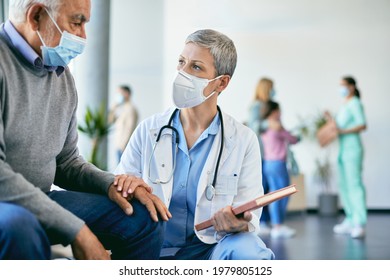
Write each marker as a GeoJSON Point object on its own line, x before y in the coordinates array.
{"type": "Point", "coordinates": [210, 192]}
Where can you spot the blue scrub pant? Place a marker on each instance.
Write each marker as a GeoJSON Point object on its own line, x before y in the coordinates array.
{"type": "Point", "coordinates": [275, 177]}
{"type": "Point", "coordinates": [241, 246]}
{"type": "Point", "coordinates": [238, 246]}
{"type": "Point", "coordinates": [21, 235]}
{"type": "Point", "coordinates": [352, 190]}
{"type": "Point", "coordinates": [128, 237]}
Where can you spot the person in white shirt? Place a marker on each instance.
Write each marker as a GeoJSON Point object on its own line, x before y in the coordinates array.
{"type": "Point", "coordinates": [124, 116]}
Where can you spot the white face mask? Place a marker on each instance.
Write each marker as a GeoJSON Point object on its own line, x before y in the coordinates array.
{"type": "Point", "coordinates": [188, 90]}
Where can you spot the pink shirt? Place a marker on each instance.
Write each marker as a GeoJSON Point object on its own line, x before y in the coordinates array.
{"type": "Point", "coordinates": [275, 144]}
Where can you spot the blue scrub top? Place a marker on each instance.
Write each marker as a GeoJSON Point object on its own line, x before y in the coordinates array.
{"type": "Point", "coordinates": [179, 231]}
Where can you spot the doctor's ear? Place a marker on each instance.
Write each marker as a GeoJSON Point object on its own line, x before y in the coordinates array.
{"type": "Point", "coordinates": [34, 16]}
{"type": "Point", "coordinates": [225, 79]}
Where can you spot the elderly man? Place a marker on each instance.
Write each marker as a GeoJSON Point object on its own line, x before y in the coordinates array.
{"type": "Point", "coordinates": [38, 148]}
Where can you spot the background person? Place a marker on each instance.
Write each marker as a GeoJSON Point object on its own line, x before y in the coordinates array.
{"type": "Point", "coordinates": [264, 92]}
{"type": "Point", "coordinates": [124, 115]}
{"type": "Point", "coordinates": [275, 174]}
{"type": "Point", "coordinates": [351, 121]}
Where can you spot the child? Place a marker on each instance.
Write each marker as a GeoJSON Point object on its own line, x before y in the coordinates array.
{"type": "Point", "coordinates": [275, 175]}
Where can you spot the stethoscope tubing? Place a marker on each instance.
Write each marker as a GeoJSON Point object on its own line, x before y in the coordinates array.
{"type": "Point", "coordinates": [210, 191]}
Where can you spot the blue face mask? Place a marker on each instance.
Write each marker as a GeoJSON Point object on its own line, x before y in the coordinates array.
{"type": "Point", "coordinates": [344, 91]}
{"type": "Point", "coordinates": [120, 99]}
{"type": "Point", "coordinates": [70, 46]}
{"type": "Point", "coordinates": [272, 93]}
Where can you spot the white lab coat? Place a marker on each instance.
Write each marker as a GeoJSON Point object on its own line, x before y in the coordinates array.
{"type": "Point", "coordinates": [239, 177]}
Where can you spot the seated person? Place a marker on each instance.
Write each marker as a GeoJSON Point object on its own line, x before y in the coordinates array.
{"type": "Point", "coordinates": [199, 161]}
{"type": "Point", "coordinates": [38, 148]}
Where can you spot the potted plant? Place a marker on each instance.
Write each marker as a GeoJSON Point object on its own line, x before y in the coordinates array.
{"type": "Point", "coordinates": [310, 128]}
{"type": "Point", "coordinates": [327, 200]}
{"type": "Point", "coordinates": [96, 127]}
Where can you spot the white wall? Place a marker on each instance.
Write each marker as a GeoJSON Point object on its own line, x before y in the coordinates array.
{"type": "Point", "coordinates": [305, 46]}
{"type": "Point", "coordinates": [136, 55]}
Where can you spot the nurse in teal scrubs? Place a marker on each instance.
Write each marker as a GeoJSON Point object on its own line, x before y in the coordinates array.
{"type": "Point", "coordinates": [351, 121]}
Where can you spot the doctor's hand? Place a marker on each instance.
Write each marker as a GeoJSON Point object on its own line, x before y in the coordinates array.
{"type": "Point", "coordinates": [151, 202]}
{"type": "Point", "coordinates": [127, 184]}
{"type": "Point", "coordinates": [225, 221]}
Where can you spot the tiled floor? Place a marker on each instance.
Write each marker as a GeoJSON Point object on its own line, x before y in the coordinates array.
{"type": "Point", "coordinates": [315, 239]}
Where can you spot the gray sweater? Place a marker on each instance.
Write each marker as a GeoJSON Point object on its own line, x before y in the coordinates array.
{"type": "Point", "coordinates": [38, 142]}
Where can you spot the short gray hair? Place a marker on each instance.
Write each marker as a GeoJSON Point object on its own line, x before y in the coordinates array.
{"type": "Point", "coordinates": [18, 8]}
{"type": "Point", "coordinates": [221, 48]}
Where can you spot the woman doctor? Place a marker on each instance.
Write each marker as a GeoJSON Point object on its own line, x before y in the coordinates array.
{"type": "Point", "coordinates": [199, 161]}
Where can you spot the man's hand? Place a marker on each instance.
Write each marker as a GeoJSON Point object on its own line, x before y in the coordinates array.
{"type": "Point", "coordinates": [151, 202]}
{"type": "Point", "coordinates": [127, 184]}
{"type": "Point", "coordinates": [86, 246]}
{"type": "Point", "coordinates": [225, 221]}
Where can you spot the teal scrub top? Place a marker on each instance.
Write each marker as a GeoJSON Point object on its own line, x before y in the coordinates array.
{"type": "Point", "coordinates": [351, 115]}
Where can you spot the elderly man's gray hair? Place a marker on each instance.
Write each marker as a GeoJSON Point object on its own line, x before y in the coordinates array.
{"type": "Point", "coordinates": [18, 8]}
{"type": "Point", "coordinates": [221, 48]}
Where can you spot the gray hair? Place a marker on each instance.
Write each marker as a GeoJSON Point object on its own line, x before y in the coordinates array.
{"type": "Point", "coordinates": [18, 8]}
{"type": "Point", "coordinates": [221, 48]}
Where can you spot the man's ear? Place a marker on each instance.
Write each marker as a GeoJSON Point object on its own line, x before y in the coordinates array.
{"type": "Point", "coordinates": [34, 16]}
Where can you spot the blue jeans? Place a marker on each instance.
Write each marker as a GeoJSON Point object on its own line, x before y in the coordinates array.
{"type": "Point", "coordinates": [128, 237]}
{"type": "Point", "coordinates": [265, 218]}
{"type": "Point", "coordinates": [21, 235]}
{"type": "Point", "coordinates": [275, 177]}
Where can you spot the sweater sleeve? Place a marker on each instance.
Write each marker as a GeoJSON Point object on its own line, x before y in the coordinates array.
{"type": "Point", "coordinates": [75, 173]}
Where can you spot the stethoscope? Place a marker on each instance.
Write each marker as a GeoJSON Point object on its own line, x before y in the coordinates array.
{"type": "Point", "coordinates": [210, 189]}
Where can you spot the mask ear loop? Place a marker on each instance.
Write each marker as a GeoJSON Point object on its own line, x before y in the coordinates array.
{"type": "Point", "coordinates": [40, 38]}
{"type": "Point", "coordinates": [55, 23]}
{"type": "Point", "coordinates": [211, 94]}
{"type": "Point", "coordinates": [52, 19]}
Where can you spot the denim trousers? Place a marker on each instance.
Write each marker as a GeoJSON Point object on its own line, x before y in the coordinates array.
{"type": "Point", "coordinates": [21, 235]}
{"type": "Point", "coordinates": [128, 237]}
{"type": "Point", "coordinates": [275, 177]}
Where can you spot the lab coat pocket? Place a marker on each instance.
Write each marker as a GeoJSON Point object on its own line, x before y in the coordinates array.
{"type": "Point", "coordinates": [225, 191]}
